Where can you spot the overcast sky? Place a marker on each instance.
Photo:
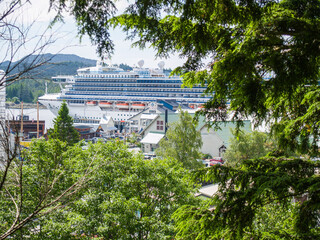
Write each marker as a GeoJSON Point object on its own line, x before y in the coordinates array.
{"type": "Point", "coordinates": [70, 43]}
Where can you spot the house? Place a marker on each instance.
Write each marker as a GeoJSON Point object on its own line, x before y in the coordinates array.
{"type": "Point", "coordinates": [150, 142]}
{"type": "Point", "coordinates": [106, 126]}
{"type": "Point", "coordinates": [86, 131]}
{"type": "Point", "coordinates": [155, 131]}
{"type": "Point", "coordinates": [215, 142]}
{"type": "Point", "coordinates": [140, 121]}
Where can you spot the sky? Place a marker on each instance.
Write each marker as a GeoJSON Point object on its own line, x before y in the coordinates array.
{"type": "Point", "coordinates": [68, 42]}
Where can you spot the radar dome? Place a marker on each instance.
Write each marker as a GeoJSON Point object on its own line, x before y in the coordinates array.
{"type": "Point", "coordinates": [140, 63]}
{"type": "Point", "coordinates": [161, 64]}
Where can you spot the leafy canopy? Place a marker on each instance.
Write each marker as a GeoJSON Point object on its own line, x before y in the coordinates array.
{"type": "Point", "coordinates": [46, 177]}
{"type": "Point", "coordinates": [126, 198]}
{"type": "Point", "coordinates": [245, 145]}
{"type": "Point", "coordinates": [182, 142]}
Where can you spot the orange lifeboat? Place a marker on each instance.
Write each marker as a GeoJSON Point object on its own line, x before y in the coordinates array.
{"type": "Point", "coordinates": [123, 105]}
{"type": "Point", "coordinates": [138, 105]}
{"type": "Point", "coordinates": [92, 103]}
{"type": "Point", "coordinates": [105, 104]}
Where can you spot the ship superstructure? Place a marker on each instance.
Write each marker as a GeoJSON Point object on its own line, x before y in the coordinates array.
{"type": "Point", "coordinates": [108, 90]}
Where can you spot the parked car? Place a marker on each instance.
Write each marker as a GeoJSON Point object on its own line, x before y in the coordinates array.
{"type": "Point", "coordinates": [212, 163]}
{"type": "Point", "coordinates": [217, 160]}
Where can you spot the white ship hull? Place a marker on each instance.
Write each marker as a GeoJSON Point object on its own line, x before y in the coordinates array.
{"type": "Point", "coordinates": [83, 113]}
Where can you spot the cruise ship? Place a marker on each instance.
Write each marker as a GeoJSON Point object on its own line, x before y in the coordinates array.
{"type": "Point", "coordinates": [106, 90]}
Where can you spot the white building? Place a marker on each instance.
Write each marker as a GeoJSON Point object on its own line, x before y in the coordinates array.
{"type": "Point", "coordinates": [2, 95]}
{"type": "Point", "coordinates": [215, 142]}
{"type": "Point", "coordinates": [140, 121]}
{"type": "Point", "coordinates": [107, 126]}
{"type": "Point", "coordinates": [2, 114]}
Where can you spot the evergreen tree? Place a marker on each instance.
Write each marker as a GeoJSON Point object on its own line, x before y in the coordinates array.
{"type": "Point", "coordinates": [63, 127]}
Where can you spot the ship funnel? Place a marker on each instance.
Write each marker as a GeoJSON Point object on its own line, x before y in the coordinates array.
{"type": "Point", "coordinates": [161, 64]}
{"type": "Point", "coordinates": [140, 63]}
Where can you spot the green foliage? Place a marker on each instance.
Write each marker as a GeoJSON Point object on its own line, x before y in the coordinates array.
{"type": "Point", "coordinates": [56, 191]}
{"type": "Point", "coordinates": [300, 130]}
{"type": "Point", "coordinates": [243, 193]}
{"type": "Point", "coordinates": [91, 16]}
{"type": "Point", "coordinates": [125, 67]}
{"type": "Point", "coordinates": [15, 100]}
{"type": "Point", "coordinates": [264, 63]}
{"type": "Point", "coordinates": [247, 146]}
{"type": "Point", "coordinates": [134, 139]}
{"type": "Point", "coordinates": [46, 177]}
{"type": "Point", "coordinates": [63, 127]}
{"type": "Point", "coordinates": [182, 142]}
{"type": "Point", "coordinates": [274, 221]}
{"type": "Point", "coordinates": [206, 156]}
{"type": "Point", "coordinates": [127, 198]}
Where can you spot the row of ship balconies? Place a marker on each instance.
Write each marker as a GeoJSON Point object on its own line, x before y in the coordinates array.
{"type": "Point", "coordinates": [130, 94]}
{"type": "Point", "coordinates": [132, 85]}
{"type": "Point", "coordinates": [138, 90]}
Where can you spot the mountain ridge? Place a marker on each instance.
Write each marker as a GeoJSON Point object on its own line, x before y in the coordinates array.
{"type": "Point", "coordinates": [29, 89]}
{"type": "Point", "coordinates": [57, 64]}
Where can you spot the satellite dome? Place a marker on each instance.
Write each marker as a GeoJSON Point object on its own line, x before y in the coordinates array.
{"type": "Point", "coordinates": [140, 63]}
{"type": "Point", "coordinates": [161, 64]}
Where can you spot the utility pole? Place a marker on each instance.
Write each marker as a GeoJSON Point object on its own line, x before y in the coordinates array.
{"type": "Point", "coordinates": [21, 130]}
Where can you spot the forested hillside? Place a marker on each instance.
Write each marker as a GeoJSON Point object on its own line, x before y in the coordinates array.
{"type": "Point", "coordinates": [56, 64]}
{"type": "Point", "coordinates": [29, 90]}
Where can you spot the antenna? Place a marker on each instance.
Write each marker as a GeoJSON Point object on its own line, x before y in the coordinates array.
{"type": "Point", "coordinates": [140, 63]}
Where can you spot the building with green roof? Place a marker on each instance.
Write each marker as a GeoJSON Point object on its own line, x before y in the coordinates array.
{"type": "Point", "coordinates": [215, 142]}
